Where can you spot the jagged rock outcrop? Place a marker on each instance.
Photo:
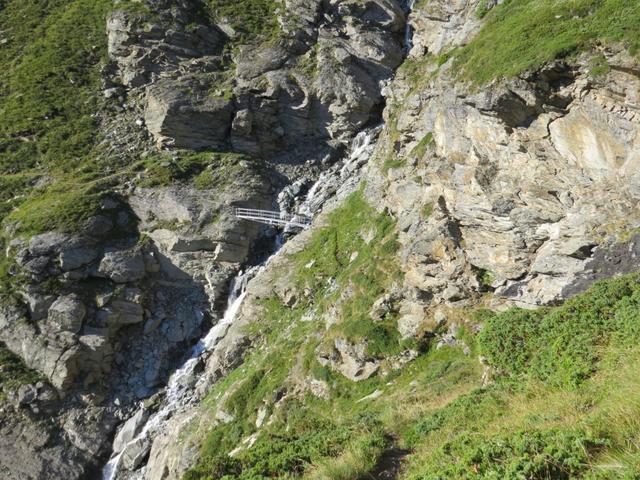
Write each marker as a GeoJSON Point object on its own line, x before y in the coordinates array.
{"type": "Point", "coordinates": [513, 187]}
{"type": "Point", "coordinates": [318, 82]}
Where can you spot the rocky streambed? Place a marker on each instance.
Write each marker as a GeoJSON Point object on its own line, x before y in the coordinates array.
{"type": "Point", "coordinates": [185, 387]}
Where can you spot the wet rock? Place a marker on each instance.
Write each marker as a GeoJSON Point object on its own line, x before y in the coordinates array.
{"type": "Point", "coordinates": [135, 453]}
{"type": "Point", "coordinates": [130, 430]}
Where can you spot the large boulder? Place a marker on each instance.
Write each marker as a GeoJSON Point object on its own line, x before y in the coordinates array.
{"type": "Point", "coordinates": [181, 113]}
{"type": "Point", "coordinates": [66, 314]}
{"type": "Point", "coordinates": [351, 360]}
{"type": "Point", "coordinates": [123, 266]}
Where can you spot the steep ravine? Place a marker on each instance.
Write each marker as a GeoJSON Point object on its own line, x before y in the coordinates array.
{"type": "Point", "coordinates": [132, 266]}
{"type": "Point", "coordinates": [471, 170]}
{"type": "Point", "coordinates": [185, 387]}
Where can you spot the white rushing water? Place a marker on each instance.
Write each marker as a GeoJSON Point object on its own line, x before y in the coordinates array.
{"type": "Point", "coordinates": [336, 182]}
{"type": "Point", "coordinates": [340, 178]}
{"type": "Point", "coordinates": [179, 383]}
{"type": "Point", "coordinates": [408, 29]}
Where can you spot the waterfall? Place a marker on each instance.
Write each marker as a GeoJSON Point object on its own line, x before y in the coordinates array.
{"type": "Point", "coordinates": [408, 29]}
{"type": "Point", "coordinates": [179, 383]}
{"type": "Point", "coordinates": [336, 182]}
{"type": "Point", "coordinates": [340, 177]}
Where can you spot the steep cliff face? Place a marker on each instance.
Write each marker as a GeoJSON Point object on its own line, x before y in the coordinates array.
{"type": "Point", "coordinates": [504, 175]}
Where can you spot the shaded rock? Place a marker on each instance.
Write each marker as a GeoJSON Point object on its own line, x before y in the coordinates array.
{"type": "Point", "coordinates": [47, 243]}
{"type": "Point", "coordinates": [121, 312]}
{"type": "Point", "coordinates": [38, 303]}
{"type": "Point", "coordinates": [72, 258]}
{"type": "Point", "coordinates": [99, 225]}
{"type": "Point", "coordinates": [229, 252]}
{"type": "Point", "coordinates": [26, 394]}
{"type": "Point", "coordinates": [123, 266]}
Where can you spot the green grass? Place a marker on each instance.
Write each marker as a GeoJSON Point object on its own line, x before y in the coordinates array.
{"type": "Point", "coordinates": [567, 407]}
{"type": "Point", "coordinates": [522, 35]}
{"type": "Point", "coordinates": [565, 404]}
{"type": "Point", "coordinates": [205, 170]}
{"type": "Point", "coordinates": [49, 94]}
{"type": "Point", "coordinates": [563, 345]}
{"type": "Point", "coordinates": [49, 79]}
{"type": "Point", "coordinates": [357, 252]}
{"type": "Point", "coordinates": [13, 371]}
{"type": "Point", "coordinates": [252, 19]}
{"type": "Point", "coordinates": [63, 207]}
{"type": "Point", "coordinates": [421, 148]}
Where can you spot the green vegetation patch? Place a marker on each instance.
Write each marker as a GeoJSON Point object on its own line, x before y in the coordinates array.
{"type": "Point", "coordinates": [252, 19]}
{"type": "Point", "coordinates": [575, 423]}
{"type": "Point", "coordinates": [205, 170]}
{"type": "Point", "coordinates": [13, 371]}
{"type": "Point", "coordinates": [350, 263]}
{"type": "Point", "coordinates": [531, 454]}
{"type": "Point", "coordinates": [570, 414]}
{"type": "Point", "coordinates": [563, 345]}
{"type": "Point", "coordinates": [49, 81]}
{"type": "Point", "coordinates": [521, 35]}
{"type": "Point", "coordinates": [63, 207]}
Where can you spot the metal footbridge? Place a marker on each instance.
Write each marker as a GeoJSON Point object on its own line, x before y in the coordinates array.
{"type": "Point", "coordinates": [270, 217]}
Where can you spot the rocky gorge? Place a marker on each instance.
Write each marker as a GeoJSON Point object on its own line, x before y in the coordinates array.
{"type": "Point", "coordinates": [149, 333]}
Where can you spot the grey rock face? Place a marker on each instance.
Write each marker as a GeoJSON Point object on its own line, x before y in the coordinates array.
{"type": "Point", "coordinates": [182, 115]}
{"type": "Point", "coordinates": [37, 302]}
{"type": "Point", "coordinates": [135, 453]}
{"type": "Point", "coordinates": [274, 102]}
{"type": "Point", "coordinates": [47, 243]}
{"type": "Point", "coordinates": [123, 266]}
{"type": "Point", "coordinates": [73, 258]}
{"type": "Point", "coordinates": [518, 183]}
{"type": "Point", "coordinates": [20, 437]}
{"type": "Point", "coordinates": [351, 360]}
{"type": "Point", "coordinates": [66, 314]}
{"type": "Point", "coordinates": [130, 430]}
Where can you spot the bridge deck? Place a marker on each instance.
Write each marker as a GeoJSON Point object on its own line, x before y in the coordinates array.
{"type": "Point", "coordinates": [270, 217]}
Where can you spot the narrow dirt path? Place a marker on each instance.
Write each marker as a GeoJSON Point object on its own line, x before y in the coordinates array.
{"type": "Point", "coordinates": [389, 465]}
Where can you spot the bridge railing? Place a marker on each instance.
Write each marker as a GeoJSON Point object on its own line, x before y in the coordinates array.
{"type": "Point", "coordinates": [270, 217]}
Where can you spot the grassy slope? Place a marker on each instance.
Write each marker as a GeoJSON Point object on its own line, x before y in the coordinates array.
{"type": "Point", "coordinates": [49, 94]}
{"type": "Point", "coordinates": [555, 410]}
{"type": "Point", "coordinates": [564, 405]}
{"type": "Point", "coordinates": [49, 97]}
{"type": "Point", "coordinates": [523, 34]}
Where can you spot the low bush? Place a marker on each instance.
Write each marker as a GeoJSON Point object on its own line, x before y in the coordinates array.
{"type": "Point", "coordinates": [563, 345]}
